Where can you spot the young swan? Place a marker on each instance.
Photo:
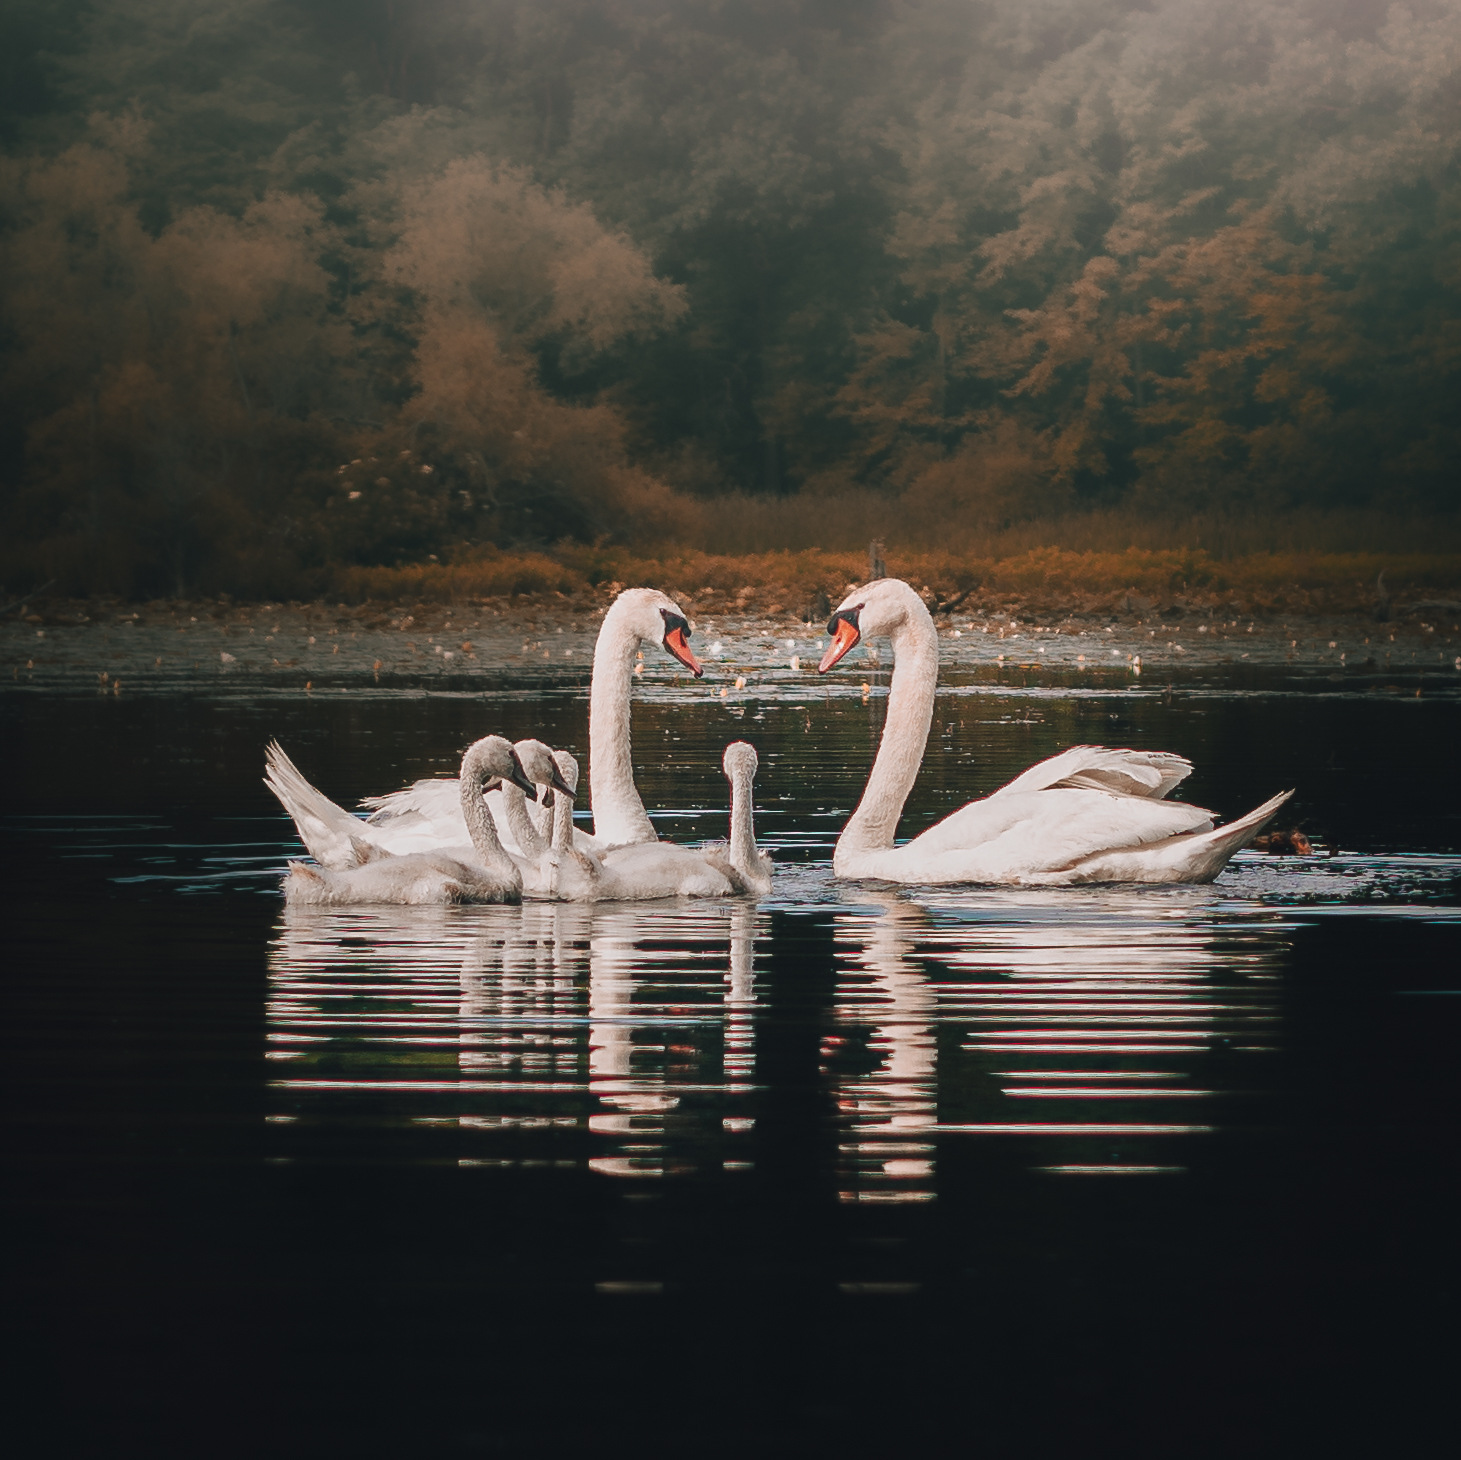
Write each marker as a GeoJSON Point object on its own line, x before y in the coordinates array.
{"type": "Point", "coordinates": [517, 827]}
{"type": "Point", "coordinates": [740, 859]}
{"type": "Point", "coordinates": [377, 876]}
{"type": "Point", "coordinates": [627, 874]}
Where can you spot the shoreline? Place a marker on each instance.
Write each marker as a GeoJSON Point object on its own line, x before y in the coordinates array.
{"type": "Point", "coordinates": [545, 642]}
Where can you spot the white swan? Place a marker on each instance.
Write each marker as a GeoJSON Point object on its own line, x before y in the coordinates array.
{"type": "Point", "coordinates": [1088, 815]}
{"type": "Point", "coordinates": [649, 870]}
{"type": "Point", "coordinates": [739, 858]}
{"type": "Point", "coordinates": [428, 813]}
{"type": "Point", "coordinates": [376, 876]}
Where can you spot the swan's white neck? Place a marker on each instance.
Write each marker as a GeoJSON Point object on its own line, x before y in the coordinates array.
{"type": "Point", "coordinates": [479, 821]}
{"type": "Point", "coordinates": [619, 815]}
{"type": "Point", "coordinates": [873, 825]}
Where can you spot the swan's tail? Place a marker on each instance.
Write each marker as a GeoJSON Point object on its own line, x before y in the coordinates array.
{"type": "Point", "coordinates": [1218, 846]}
{"type": "Point", "coordinates": [331, 833]}
{"type": "Point", "coordinates": [1188, 857]}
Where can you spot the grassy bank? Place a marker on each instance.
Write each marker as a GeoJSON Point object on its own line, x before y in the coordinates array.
{"type": "Point", "coordinates": [1044, 577]}
{"type": "Point", "coordinates": [784, 553]}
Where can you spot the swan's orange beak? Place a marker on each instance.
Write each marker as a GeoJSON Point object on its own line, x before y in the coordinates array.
{"type": "Point", "coordinates": [844, 639]}
{"type": "Point", "coordinates": [675, 644]}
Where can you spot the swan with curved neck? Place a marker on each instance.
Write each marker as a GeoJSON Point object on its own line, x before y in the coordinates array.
{"type": "Point", "coordinates": [490, 875]}
{"type": "Point", "coordinates": [426, 816]}
{"type": "Point", "coordinates": [638, 616]}
{"type": "Point", "coordinates": [1087, 815]}
{"type": "Point", "coordinates": [338, 840]}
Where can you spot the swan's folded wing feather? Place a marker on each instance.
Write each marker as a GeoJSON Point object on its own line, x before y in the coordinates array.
{"type": "Point", "coordinates": [1150, 774]}
{"type": "Point", "coordinates": [644, 870]}
{"type": "Point", "coordinates": [427, 816]}
{"type": "Point", "coordinates": [428, 801]}
{"type": "Point", "coordinates": [1003, 837]}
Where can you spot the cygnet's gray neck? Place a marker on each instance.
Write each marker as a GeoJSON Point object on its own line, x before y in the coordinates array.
{"type": "Point", "coordinates": [480, 825]}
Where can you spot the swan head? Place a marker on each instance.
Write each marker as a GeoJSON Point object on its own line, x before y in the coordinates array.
{"type": "Point", "coordinates": [538, 764]}
{"type": "Point", "coordinates": [740, 760]}
{"type": "Point", "coordinates": [875, 611]}
{"type": "Point", "coordinates": [568, 771]}
{"type": "Point", "coordinates": [492, 760]}
{"type": "Point", "coordinates": [657, 619]}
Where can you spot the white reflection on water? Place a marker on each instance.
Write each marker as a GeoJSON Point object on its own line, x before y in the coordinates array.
{"type": "Point", "coordinates": [1070, 1011]}
{"type": "Point", "coordinates": [891, 994]}
{"type": "Point", "coordinates": [1100, 1026]}
{"type": "Point", "coordinates": [544, 1018]}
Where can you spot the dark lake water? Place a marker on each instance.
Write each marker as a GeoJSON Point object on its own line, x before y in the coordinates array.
{"type": "Point", "coordinates": [1166, 1171]}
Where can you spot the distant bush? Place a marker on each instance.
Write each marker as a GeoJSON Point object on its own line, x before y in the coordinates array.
{"type": "Point", "coordinates": [788, 583]}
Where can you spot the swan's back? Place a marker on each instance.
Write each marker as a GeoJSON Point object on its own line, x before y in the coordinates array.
{"type": "Point", "coordinates": [659, 869]}
{"type": "Point", "coordinates": [421, 879]}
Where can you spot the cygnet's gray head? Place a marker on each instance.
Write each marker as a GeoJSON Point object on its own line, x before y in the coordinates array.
{"type": "Point", "coordinates": [492, 760]}
{"type": "Point", "coordinates": [541, 769]}
{"type": "Point", "coordinates": [568, 770]}
{"type": "Point", "coordinates": [740, 759]}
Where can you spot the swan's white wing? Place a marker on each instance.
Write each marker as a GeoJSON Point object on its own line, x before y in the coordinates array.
{"type": "Point", "coordinates": [423, 804]}
{"type": "Point", "coordinates": [1007, 837]}
{"type": "Point", "coordinates": [1145, 773]}
{"type": "Point", "coordinates": [427, 816]}
{"type": "Point", "coordinates": [330, 832]}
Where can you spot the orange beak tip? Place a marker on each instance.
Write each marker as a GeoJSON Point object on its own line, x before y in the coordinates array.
{"type": "Point", "coordinates": [843, 642]}
{"type": "Point", "coordinates": [675, 643]}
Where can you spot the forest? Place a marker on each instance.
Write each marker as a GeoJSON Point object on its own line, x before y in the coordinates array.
{"type": "Point", "coordinates": [294, 288]}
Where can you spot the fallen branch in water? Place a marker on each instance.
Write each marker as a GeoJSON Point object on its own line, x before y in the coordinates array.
{"type": "Point", "coordinates": [21, 602]}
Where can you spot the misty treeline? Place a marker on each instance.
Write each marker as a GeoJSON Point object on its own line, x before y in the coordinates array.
{"type": "Point", "coordinates": [295, 283]}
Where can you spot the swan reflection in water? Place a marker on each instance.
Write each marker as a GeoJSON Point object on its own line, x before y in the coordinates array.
{"type": "Point", "coordinates": [1100, 1026]}
{"type": "Point", "coordinates": [1097, 1024]}
{"type": "Point", "coordinates": [496, 1022]}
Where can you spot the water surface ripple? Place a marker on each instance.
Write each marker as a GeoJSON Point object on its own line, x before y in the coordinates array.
{"type": "Point", "coordinates": [1187, 1150]}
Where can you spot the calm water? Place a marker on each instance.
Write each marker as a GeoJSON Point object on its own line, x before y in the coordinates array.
{"type": "Point", "coordinates": [1159, 1170]}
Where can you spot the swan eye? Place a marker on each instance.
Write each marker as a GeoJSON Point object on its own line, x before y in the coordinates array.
{"type": "Point", "coordinates": [848, 615]}
{"type": "Point", "coordinates": [673, 621]}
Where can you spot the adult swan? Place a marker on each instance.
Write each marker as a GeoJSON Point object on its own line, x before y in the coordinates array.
{"type": "Point", "coordinates": [1088, 815]}
{"type": "Point", "coordinates": [428, 815]}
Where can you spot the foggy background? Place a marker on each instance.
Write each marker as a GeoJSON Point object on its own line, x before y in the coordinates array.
{"type": "Point", "coordinates": [299, 283]}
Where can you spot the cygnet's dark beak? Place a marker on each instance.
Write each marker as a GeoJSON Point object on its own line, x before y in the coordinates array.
{"type": "Point", "coordinates": [519, 778]}
{"type": "Point", "coordinates": [559, 784]}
